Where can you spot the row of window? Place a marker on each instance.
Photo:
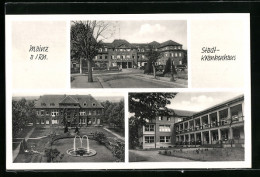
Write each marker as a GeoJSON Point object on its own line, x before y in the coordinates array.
{"type": "Point", "coordinates": [163, 139]}
{"type": "Point", "coordinates": [56, 112]}
{"type": "Point", "coordinates": [140, 49]}
{"type": "Point", "coordinates": [173, 54]}
{"type": "Point", "coordinates": [161, 118]}
{"type": "Point", "coordinates": [162, 128]}
{"type": "Point", "coordinates": [236, 114]}
{"type": "Point", "coordinates": [84, 104]}
{"type": "Point", "coordinates": [142, 56]}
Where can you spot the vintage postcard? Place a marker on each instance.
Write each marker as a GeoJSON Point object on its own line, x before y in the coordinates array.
{"type": "Point", "coordinates": [128, 91]}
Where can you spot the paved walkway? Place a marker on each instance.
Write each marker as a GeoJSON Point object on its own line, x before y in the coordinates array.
{"type": "Point", "coordinates": [17, 150]}
{"type": "Point", "coordinates": [118, 136]}
{"type": "Point", "coordinates": [154, 156]}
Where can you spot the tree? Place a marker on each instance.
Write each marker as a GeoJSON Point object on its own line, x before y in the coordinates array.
{"type": "Point", "coordinates": [86, 40]}
{"type": "Point", "coordinates": [167, 67]}
{"type": "Point", "coordinates": [152, 55]}
{"type": "Point", "coordinates": [145, 106]}
{"type": "Point", "coordinates": [22, 114]}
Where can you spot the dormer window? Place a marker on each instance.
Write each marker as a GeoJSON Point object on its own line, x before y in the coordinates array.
{"type": "Point", "coordinates": [93, 104]}
{"type": "Point", "coordinates": [52, 104]}
{"type": "Point", "coordinates": [84, 104]}
{"type": "Point", "coordinates": [43, 104]}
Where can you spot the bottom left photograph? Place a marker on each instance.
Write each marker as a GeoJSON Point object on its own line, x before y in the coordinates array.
{"type": "Point", "coordinates": [53, 128]}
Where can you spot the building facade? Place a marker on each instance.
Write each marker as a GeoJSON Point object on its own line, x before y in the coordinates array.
{"type": "Point", "coordinates": [70, 110]}
{"type": "Point", "coordinates": [123, 54]}
{"type": "Point", "coordinates": [221, 125]}
{"type": "Point", "coordinates": [159, 132]}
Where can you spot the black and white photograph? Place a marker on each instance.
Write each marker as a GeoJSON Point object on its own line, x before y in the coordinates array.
{"type": "Point", "coordinates": [68, 128]}
{"type": "Point", "coordinates": [186, 127]}
{"type": "Point", "coordinates": [129, 54]}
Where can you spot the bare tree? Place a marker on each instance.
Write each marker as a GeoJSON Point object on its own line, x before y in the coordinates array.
{"type": "Point", "coordinates": [86, 39]}
{"type": "Point", "coordinates": [152, 55]}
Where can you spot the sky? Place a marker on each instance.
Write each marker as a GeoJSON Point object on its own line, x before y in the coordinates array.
{"type": "Point", "coordinates": [198, 101]}
{"type": "Point", "coordinates": [151, 30]}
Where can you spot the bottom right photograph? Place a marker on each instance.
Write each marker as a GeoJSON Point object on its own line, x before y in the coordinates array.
{"type": "Point", "coordinates": [186, 126]}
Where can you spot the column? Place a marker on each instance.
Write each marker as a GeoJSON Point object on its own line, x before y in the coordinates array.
{"type": "Point", "coordinates": [201, 137]}
{"type": "Point", "coordinates": [219, 134]}
{"type": "Point", "coordinates": [209, 120]}
{"type": "Point", "coordinates": [210, 138]}
{"type": "Point", "coordinates": [200, 122]}
{"type": "Point", "coordinates": [217, 118]}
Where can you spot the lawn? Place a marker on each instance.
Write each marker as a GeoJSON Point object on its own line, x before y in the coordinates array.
{"type": "Point", "coordinates": [103, 154]}
{"type": "Point", "coordinates": [24, 132]}
{"type": "Point", "coordinates": [213, 154]}
{"type": "Point", "coordinates": [133, 157]}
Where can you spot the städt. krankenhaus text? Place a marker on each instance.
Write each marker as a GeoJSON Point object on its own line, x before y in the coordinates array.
{"type": "Point", "coordinates": [218, 57]}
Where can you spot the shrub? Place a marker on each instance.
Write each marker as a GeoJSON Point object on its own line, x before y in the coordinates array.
{"type": "Point", "coordinates": [118, 150]}
{"type": "Point", "coordinates": [100, 137]}
{"type": "Point", "coordinates": [53, 155]}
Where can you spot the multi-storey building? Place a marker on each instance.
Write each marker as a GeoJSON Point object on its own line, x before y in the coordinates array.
{"type": "Point", "coordinates": [159, 132]}
{"type": "Point", "coordinates": [123, 54]}
{"type": "Point", "coordinates": [70, 110]}
{"type": "Point", "coordinates": [222, 124]}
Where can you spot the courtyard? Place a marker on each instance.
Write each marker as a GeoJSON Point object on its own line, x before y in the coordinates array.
{"type": "Point", "coordinates": [40, 139]}
{"type": "Point", "coordinates": [128, 78]}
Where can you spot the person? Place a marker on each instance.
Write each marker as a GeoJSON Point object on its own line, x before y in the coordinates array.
{"type": "Point", "coordinates": [77, 130]}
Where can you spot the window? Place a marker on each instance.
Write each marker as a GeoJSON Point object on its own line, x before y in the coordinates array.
{"type": "Point", "coordinates": [133, 57]}
{"type": "Point", "coordinates": [100, 57]}
{"type": "Point", "coordinates": [160, 118]}
{"type": "Point", "coordinates": [38, 113]}
{"type": "Point", "coordinates": [96, 57]}
{"type": "Point", "coordinates": [52, 104]}
{"type": "Point", "coordinates": [164, 128]}
{"type": "Point", "coordinates": [118, 56]}
{"type": "Point", "coordinates": [166, 54]}
{"type": "Point", "coordinates": [43, 104]}
{"type": "Point", "coordinates": [128, 50]}
{"type": "Point", "coordinates": [123, 56]}
{"type": "Point", "coordinates": [149, 139]}
{"type": "Point", "coordinates": [165, 139]}
{"type": "Point", "coordinates": [84, 104]}
{"type": "Point", "coordinates": [127, 56]}
{"type": "Point", "coordinates": [142, 56]}
{"type": "Point", "coordinates": [149, 128]}
{"type": "Point", "coordinates": [172, 54]}
{"type": "Point", "coordinates": [93, 104]}
{"type": "Point", "coordinates": [179, 54]}
{"type": "Point", "coordinates": [105, 56]}
{"type": "Point", "coordinates": [105, 49]}
{"type": "Point", "coordinates": [42, 112]}
{"type": "Point", "coordinates": [168, 119]}
{"type": "Point", "coordinates": [82, 113]}
{"type": "Point", "coordinates": [138, 56]}
{"type": "Point", "coordinates": [179, 47]}
{"type": "Point", "coordinates": [175, 54]}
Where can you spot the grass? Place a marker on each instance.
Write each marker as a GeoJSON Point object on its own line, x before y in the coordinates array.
{"type": "Point", "coordinates": [24, 132]}
{"type": "Point", "coordinates": [133, 157]}
{"type": "Point", "coordinates": [63, 144]}
{"type": "Point", "coordinates": [215, 154]}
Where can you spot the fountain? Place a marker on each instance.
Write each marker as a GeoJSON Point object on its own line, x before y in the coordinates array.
{"type": "Point", "coordinates": [81, 151]}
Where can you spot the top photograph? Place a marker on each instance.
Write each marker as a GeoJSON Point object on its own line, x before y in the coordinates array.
{"type": "Point", "coordinates": [128, 54]}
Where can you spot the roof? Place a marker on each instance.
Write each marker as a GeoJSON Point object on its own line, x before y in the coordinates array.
{"type": "Point", "coordinates": [121, 43]}
{"type": "Point", "coordinates": [183, 113]}
{"type": "Point", "coordinates": [124, 43]}
{"type": "Point", "coordinates": [58, 101]}
{"type": "Point", "coordinates": [168, 43]}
